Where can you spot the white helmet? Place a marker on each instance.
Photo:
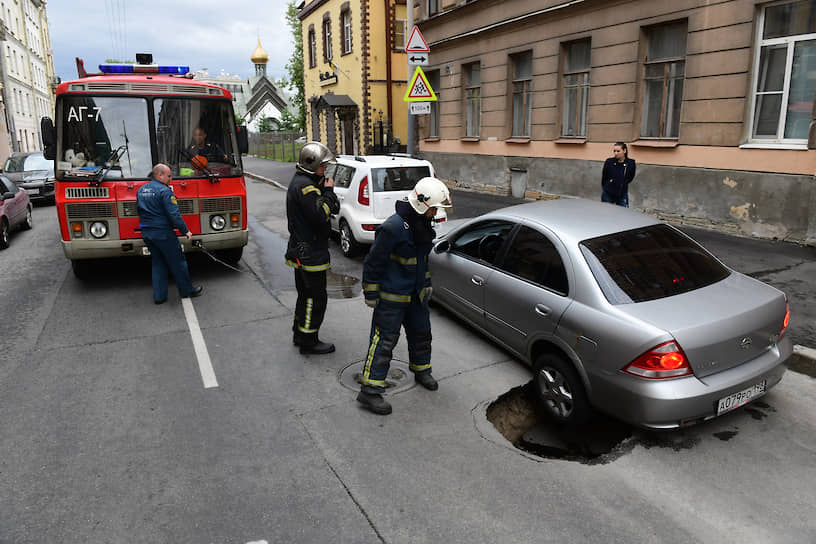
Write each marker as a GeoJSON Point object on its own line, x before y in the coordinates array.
{"type": "Point", "coordinates": [429, 193]}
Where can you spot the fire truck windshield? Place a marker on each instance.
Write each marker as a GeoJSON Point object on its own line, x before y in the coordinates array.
{"type": "Point", "coordinates": [93, 128]}
{"type": "Point", "coordinates": [109, 137]}
{"type": "Point", "coordinates": [196, 137]}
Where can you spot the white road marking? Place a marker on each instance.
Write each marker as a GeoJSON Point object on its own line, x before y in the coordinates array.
{"type": "Point", "coordinates": [203, 356]}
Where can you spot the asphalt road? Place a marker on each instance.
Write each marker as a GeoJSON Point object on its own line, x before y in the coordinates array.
{"type": "Point", "coordinates": [108, 433]}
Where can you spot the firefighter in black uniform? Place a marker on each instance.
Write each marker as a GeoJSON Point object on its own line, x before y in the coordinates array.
{"type": "Point", "coordinates": [310, 202]}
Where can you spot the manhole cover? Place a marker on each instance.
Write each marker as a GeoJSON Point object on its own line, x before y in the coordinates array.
{"type": "Point", "coordinates": [399, 376]}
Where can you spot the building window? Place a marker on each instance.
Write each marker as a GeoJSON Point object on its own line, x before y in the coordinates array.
{"type": "Point", "coordinates": [663, 80]}
{"type": "Point", "coordinates": [327, 45]}
{"type": "Point", "coordinates": [312, 48]}
{"type": "Point", "coordinates": [785, 73]}
{"type": "Point", "coordinates": [433, 7]}
{"type": "Point", "coordinates": [345, 18]}
{"type": "Point", "coordinates": [473, 99]}
{"type": "Point", "coordinates": [522, 65]}
{"type": "Point", "coordinates": [433, 118]}
{"type": "Point", "coordinates": [576, 89]}
{"type": "Point", "coordinates": [399, 33]}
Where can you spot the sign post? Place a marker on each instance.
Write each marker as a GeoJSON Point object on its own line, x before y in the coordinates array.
{"type": "Point", "coordinates": [419, 91]}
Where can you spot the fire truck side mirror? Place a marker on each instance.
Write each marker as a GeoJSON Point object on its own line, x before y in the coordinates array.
{"type": "Point", "coordinates": [49, 138]}
{"type": "Point", "coordinates": [243, 139]}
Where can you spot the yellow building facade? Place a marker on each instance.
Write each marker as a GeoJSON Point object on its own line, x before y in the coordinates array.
{"type": "Point", "coordinates": [354, 71]}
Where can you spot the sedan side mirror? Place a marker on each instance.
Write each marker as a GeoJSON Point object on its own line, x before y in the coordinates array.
{"type": "Point", "coordinates": [442, 247]}
{"type": "Point", "coordinates": [8, 195]}
{"type": "Point", "coordinates": [49, 138]}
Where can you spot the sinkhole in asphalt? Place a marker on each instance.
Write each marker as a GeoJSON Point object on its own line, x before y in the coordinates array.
{"type": "Point", "coordinates": [399, 376]}
{"type": "Point", "coordinates": [602, 440]}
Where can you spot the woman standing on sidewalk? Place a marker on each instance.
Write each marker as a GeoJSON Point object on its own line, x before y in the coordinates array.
{"type": "Point", "coordinates": [618, 172]}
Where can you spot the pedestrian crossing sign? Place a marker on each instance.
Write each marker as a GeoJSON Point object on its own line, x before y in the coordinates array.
{"type": "Point", "coordinates": [419, 90]}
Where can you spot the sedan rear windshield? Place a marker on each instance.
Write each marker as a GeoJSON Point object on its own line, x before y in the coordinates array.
{"type": "Point", "coordinates": [398, 178]}
{"type": "Point", "coordinates": [650, 263]}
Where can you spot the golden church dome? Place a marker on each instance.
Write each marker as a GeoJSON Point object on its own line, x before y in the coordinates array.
{"type": "Point", "coordinates": [259, 56]}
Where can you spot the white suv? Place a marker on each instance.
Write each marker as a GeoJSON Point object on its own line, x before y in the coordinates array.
{"type": "Point", "coordinates": [367, 188]}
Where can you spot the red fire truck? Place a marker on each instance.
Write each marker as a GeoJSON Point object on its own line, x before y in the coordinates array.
{"type": "Point", "coordinates": [112, 127]}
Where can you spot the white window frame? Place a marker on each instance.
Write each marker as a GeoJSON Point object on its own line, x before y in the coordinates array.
{"type": "Point", "coordinates": [790, 41]}
{"type": "Point", "coordinates": [346, 16]}
{"type": "Point", "coordinates": [327, 36]}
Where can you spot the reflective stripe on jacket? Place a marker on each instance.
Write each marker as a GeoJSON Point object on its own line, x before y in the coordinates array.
{"type": "Point", "coordinates": [395, 267]}
{"type": "Point", "coordinates": [308, 212]}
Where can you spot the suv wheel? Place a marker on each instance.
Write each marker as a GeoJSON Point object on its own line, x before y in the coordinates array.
{"type": "Point", "coordinates": [559, 390]}
{"type": "Point", "coordinates": [348, 245]}
{"type": "Point", "coordinates": [4, 234]}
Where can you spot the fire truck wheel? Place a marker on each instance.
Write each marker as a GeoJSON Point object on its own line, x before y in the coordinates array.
{"type": "Point", "coordinates": [81, 268]}
{"type": "Point", "coordinates": [231, 255]}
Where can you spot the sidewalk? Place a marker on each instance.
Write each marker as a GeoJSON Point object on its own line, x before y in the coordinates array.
{"type": "Point", "coordinates": [787, 266]}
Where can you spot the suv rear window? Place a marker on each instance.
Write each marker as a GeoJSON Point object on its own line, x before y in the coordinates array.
{"type": "Point", "coordinates": [649, 263]}
{"type": "Point", "coordinates": [397, 178]}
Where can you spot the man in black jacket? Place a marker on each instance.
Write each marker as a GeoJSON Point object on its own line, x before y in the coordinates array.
{"type": "Point", "coordinates": [310, 202]}
{"type": "Point", "coordinates": [618, 172]}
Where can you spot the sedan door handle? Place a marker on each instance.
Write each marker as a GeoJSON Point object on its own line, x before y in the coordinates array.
{"type": "Point", "coordinates": [477, 280]}
{"type": "Point", "coordinates": [540, 309]}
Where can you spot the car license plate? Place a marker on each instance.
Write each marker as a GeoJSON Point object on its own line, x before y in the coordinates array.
{"type": "Point", "coordinates": [32, 191]}
{"type": "Point", "coordinates": [740, 398]}
{"type": "Point", "coordinates": [145, 251]}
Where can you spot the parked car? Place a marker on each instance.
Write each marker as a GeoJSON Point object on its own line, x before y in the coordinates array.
{"type": "Point", "coordinates": [15, 210]}
{"type": "Point", "coordinates": [33, 173]}
{"type": "Point", "coordinates": [615, 311]}
{"type": "Point", "coordinates": [368, 188]}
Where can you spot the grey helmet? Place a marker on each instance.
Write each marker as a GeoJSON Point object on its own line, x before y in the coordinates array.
{"type": "Point", "coordinates": [312, 155]}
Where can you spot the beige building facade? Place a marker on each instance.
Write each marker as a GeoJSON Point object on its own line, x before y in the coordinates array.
{"type": "Point", "coordinates": [354, 70]}
{"type": "Point", "coordinates": [714, 98]}
{"type": "Point", "coordinates": [29, 83]}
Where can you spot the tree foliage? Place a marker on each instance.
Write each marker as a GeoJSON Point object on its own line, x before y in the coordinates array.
{"type": "Point", "coordinates": [295, 66]}
{"type": "Point", "coordinates": [267, 124]}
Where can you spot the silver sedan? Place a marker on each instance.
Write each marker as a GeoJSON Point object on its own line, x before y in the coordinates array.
{"type": "Point", "coordinates": [615, 311]}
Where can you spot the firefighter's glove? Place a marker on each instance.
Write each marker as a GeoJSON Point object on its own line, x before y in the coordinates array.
{"type": "Point", "coordinates": [372, 302]}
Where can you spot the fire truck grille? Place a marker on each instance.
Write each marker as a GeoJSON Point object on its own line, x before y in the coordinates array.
{"type": "Point", "coordinates": [87, 192]}
{"type": "Point", "coordinates": [224, 204]}
{"type": "Point", "coordinates": [89, 210]}
{"type": "Point", "coordinates": [186, 206]}
{"type": "Point", "coordinates": [129, 208]}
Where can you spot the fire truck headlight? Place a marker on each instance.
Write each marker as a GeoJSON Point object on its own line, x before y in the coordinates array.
{"type": "Point", "coordinates": [98, 229]}
{"type": "Point", "coordinates": [217, 222]}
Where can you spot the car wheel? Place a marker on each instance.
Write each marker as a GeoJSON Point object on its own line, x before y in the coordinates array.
{"type": "Point", "coordinates": [81, 268]}
{"type": "Point", "coordinates": [4, 234]}
{"type": "Point", "coordinates": [559, 390]}
{"type": "Point", "coordinates": [231, 255]}
{"type": "Point", "coordinates": [348, 245]}
{"type": "Point", "coordinates": [29, 220]}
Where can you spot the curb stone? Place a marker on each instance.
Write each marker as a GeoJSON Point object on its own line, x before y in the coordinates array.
{"type": "Point", "coordinates": [803, 360]}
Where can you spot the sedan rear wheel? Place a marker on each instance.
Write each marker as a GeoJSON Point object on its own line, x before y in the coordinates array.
{"type": "Point", "coordinates": [348, 245]}
{"type": "Point", "coordinates": [29, 220]}
{"type": "Point", "coordinates": [4, 234]}
{"type": "Point", "coordinates": [560, 391]}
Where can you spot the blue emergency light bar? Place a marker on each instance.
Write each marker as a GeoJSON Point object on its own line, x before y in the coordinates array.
{"type": "Point", "coordinates": [142, 69]}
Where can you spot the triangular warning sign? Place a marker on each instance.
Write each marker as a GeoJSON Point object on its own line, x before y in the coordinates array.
{"type": "Point", "coordinates": [417, 43]}
{"type": "Point", "coordinates": [419, 90]}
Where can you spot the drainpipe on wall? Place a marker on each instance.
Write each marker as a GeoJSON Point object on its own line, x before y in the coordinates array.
{"type": "Point", "coordinates": [388, 61]}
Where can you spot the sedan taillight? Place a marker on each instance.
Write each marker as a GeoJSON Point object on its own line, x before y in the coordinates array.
{"type": "Point", "coordinates": [664, 361]}
{"type": "Point", "coordinates": [362, 192]}
{"type": "Point", "coordinates": [785, 321]}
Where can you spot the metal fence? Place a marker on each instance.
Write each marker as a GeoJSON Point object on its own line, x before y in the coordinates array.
{"type": "Point", "coordinates": [277, 146]}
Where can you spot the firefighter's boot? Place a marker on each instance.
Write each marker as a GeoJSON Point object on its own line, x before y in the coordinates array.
{"type": "Point", "coordinates": [374, 402]}
{"type": "Point", "coordinates": [426, 380]}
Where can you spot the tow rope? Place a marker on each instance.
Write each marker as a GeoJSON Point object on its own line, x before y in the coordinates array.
{"type": "Point", "coordinates": [199, 245]}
